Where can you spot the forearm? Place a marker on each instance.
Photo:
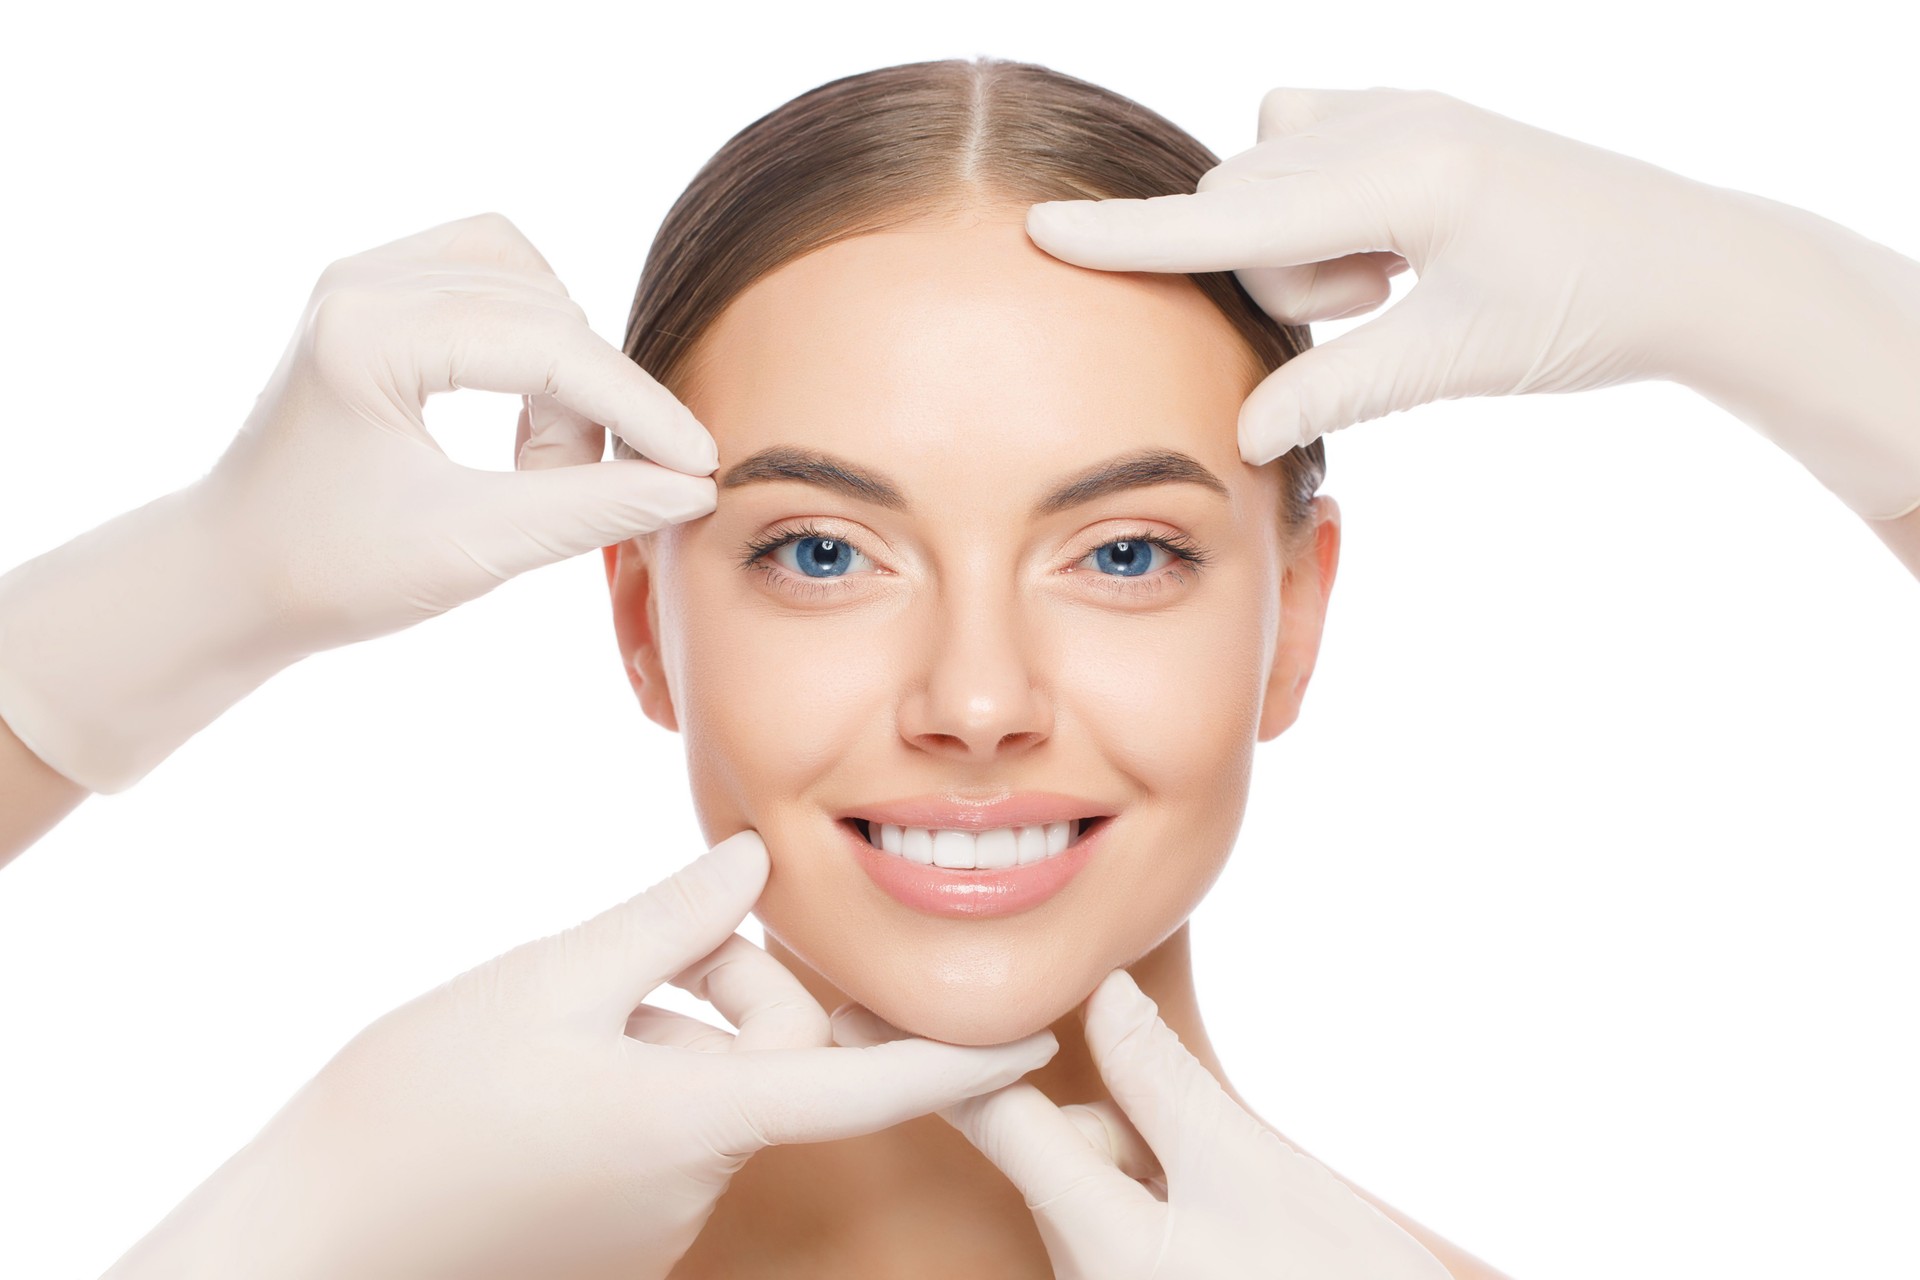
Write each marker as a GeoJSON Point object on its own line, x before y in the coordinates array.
{"type": "Point", "coordinates": [33, 798]}
{"type": "Point", "coordinates": [120, 644]}
{"type": "Point", "coordinates": [101, 639]}
{"type": "Point", "coordinates": [1810, 333]}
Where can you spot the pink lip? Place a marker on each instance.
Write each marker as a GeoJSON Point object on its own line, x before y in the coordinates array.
{"type": "Point", "coordinates": [1003, 892]}
{"type": "Point", "coordinates": [957, 813]}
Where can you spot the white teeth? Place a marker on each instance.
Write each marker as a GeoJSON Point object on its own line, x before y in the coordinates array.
{"type": "Point", "coordinates": [954, 849]}
{"type": "Point", "coordinates": [993, 850]}
{"type": "Point", "coordinates": [965, 850]}
{"type": "Point", "coordinates": [1033, 844]}
{"type": "Point", "coordinates": [916, 844]}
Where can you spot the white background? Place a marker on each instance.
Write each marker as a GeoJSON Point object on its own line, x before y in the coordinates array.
{"type": "Point", "coordinates": [1573, 918]}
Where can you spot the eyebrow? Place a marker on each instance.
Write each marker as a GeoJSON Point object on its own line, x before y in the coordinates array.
{"type": "Point", "coordinates": [1118, 474]}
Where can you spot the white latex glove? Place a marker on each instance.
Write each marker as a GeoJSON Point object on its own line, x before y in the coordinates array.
{"type": "Point", "coordinates": [1180, 1183]}
{"type": "Point", "coordinates": [1542, 264]}
{"type": "Point", "coordinates": [533, 1118]}
{"type": "Point", "coordinates": [334, 516]}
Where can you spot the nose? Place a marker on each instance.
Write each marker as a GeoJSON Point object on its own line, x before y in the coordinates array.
{"type": "Point", "coordinates": [981, 696]}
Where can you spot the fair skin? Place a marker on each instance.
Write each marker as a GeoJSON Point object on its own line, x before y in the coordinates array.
{"type": "Point", "coordinates": [33, 798]}
{"type": "Point", "coordinates": [1837, 394]}
{"type": "Point", "coordinates": [969, 642]}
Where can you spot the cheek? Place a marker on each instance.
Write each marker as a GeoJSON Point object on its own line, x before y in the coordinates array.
{"type": "Point", "coordinates": [1172, 702]}
{"type": "Point", "coordinates": [785, 712]}
{"type": "Point", "coordinates": [779, 710]}
{"type": "Point", "coordinates": [770, 703]}
{"type": "Point", "coordinates": [1172, 699]}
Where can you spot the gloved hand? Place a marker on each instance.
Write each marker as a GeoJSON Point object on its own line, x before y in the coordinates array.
{"type": "Point", "coordinates": [1180, 1183]}
{"type": "Point", "coordinates": [1543, 264]}
{"type": "Point", "coordinates": [334, 516]}
{"type": "Point", "coordinates": [532, 1117]}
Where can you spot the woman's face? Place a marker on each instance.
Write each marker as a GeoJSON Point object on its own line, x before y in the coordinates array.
{"type": "Point", "coordinates": [934, 590]}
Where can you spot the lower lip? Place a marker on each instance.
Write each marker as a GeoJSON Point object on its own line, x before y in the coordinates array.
{"type": "Point", "coordinates": [1005, 891]}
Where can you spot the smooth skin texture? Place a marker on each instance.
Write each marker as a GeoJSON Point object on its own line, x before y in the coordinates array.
{"type": "Point", "coordinates": [1543, 264]}
{"type": "Point", "coordinates": [968, 645]}
{"type": "Point", "coordinates": [34, 797]}
{"type": "Point", "coordinates": [1862, 419]}
{"type": "Point", "coordinates": [532, 1117]}
{"type": "Point", "coordinates": [425, 1148]}
{"type": "Point", "coordinates": [1176, 1180]}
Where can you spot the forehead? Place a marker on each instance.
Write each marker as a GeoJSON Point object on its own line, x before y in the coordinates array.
{"type": "Point", "coordinates": [960, 343]}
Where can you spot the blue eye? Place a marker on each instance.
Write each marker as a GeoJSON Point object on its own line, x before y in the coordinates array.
{"type": "Point", "coordinates": [817, 557]}
{"type": "Point", "coordinates": [807, 555]}
{"type": "Point", "coordinates": [1131, 556]}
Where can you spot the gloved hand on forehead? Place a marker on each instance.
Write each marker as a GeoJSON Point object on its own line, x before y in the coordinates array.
{"type": "Point", "coordinates": [334, 516]}
{"type": "Point", "coordinates": [1542, 264]}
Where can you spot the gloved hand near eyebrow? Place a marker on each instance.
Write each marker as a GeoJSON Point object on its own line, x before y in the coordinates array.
{"type": "Point", "coordinates": [334, 516]}
{"type": "Point", "coordinates": [1543, 264]}
{"type": "Point", "coordinates": [532, 1117]}
{"type": "Point", "coordinates": [1182, 1182]}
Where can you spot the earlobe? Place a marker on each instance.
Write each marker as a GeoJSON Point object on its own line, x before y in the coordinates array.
{"type": "Point", "coordinates": [636, 630]}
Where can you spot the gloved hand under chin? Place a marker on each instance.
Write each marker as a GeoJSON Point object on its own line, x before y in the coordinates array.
{"type": "Point", "coordinates": [532, 1117]}
{"type": "Point", "coordinates": [1175, 1182]}
{"type": "Point", "coordinates": [334, 516]}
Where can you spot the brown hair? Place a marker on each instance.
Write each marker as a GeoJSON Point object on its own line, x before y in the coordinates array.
{"type": "Point", "coordinates": [883, 148]}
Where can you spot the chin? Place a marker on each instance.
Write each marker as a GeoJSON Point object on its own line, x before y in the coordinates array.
{"type": "Point", "coordinates": [978, 1025]}
{"type": "Point", "coordinates": [970, 991]}
{"type": "Point", "coordinates": [966, 980]}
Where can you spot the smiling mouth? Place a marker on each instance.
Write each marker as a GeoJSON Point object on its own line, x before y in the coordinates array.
{"type": "Point", "coordinates": [994, 849]}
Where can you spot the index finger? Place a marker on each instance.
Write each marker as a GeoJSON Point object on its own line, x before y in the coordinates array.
{"type": "Point", "coordinates": [1044, 1153]}
{"type": "Point", "coordinates": [550, 351]}
{"type": "Point", "coordinates": [1288, 109]}
{"type": "Point", "coordinates": [1039, 1145]}
{"type": "Point", "coordinates": [483, 239]}
{"type": "Point", "coordinates": [761, 997]}
{"type": "Point", "coordinates": [1295, 218]}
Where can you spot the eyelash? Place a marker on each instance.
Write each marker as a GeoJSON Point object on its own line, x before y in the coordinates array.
{"type": "Point", "coordinates": [1187, 553]}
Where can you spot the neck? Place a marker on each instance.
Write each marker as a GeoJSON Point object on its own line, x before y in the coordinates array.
{"type": "Point", "coordinates": [817, 1201]}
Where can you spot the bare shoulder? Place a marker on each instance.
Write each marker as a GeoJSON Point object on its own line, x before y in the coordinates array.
{"type": "Point", "coordinates": [1463, 1265]}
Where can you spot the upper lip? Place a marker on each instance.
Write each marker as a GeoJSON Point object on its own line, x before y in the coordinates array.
{"type": "Point", "coordinates": [958, 813]}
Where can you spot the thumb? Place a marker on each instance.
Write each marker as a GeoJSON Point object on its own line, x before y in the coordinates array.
{"type": "Point", "coordinates": [528, 519]}
{"type": "Point", "coordinates": [552, 435]}
{"type": "Point", "coordinates": [1401, 358]}
{"type": "Point", "coordinates": [1108, 1130]}
{"type": "Point", "coordinates": [610, 963]}
{"type": "Point", "coordinates": [1288, 110]}
{"type": "Point", "coordinates": [1157, 1084]}
{"type": "Point", "coordinates": [1048, 1152]}
{"type": "Point", "coordinates": [1045, 1150]}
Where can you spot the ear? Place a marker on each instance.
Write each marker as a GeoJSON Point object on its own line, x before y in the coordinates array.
{"type": "Point", "coordinates": [1303, 617]}
{"type": "Point", "coordinates": [636, 627]}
